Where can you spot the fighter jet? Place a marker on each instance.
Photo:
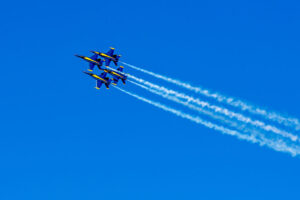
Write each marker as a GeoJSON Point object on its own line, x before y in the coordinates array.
{"type": "Point", "coordinates": [109, 56]}
{"type": "Point", "coordinates": [93, 60]}
{"type": "Point", "coordinates": [116, 75]}
{"type": "Point", "coordinates": [100, 79]}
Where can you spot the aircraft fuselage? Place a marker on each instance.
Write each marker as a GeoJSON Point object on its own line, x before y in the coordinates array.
{"type": "Point", "coordinates": [113, 73]}
{"type": "Point", "coordinates": [97, 77]}
{"type": "Point", "coordinates": [104, 55]}
{"type": "Point", "coordinates": [89, 60]}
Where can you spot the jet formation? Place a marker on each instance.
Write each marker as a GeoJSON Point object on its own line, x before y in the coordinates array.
{"type": "Point", "coordinates": [109, 75]}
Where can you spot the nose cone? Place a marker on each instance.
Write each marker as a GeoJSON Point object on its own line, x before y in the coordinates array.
{"type": "Point", "coordinates": [96, 52]}
{"type": "Point", "coordinates": [79, 56]}
{"type": "Point", "coordinates": [88, 73]}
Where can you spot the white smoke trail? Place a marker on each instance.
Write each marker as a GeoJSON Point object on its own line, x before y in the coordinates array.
{"type": "Point", "coordinates": [218, 109]}
{"type": "Point", "coordinates": [287, 121]}
{"type": "Point", "coordinates": [276, 145]}
{"type": "Point", "coordinates": [236, 125]}
{"type": "Point", "coordinates": [231, 123]}
{"type": "Point", "coordinates": [192, 107]}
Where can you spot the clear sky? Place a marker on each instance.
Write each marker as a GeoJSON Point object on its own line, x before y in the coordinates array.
{"type": "Point", "coordinates": [62, 139]}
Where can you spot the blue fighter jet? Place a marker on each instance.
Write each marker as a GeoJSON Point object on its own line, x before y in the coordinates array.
{"type": "Point", "coordinates": [116, 75]}
{"type": "Point", "coordinates": [100, 79]}
{"type": "Point", "coordinates": [93, 60]}
{"type": "Point", "coordinates": [109, 56]}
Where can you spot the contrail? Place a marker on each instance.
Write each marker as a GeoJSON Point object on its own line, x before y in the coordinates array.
{"type": "Point", "coordinates": [287, 121]}
{"type": "Point", "coordinates": [217, 109]}
{"type": "Point", "coordinates": [192, 107]}
{"type": "Point", "coordinates": [276, 145]}
{"type": "Point", "coordinates": [231, 123]}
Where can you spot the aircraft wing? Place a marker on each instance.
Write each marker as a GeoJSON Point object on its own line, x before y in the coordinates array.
{"type": "Point", "coordinates": [120, 68]}
{"type": "Point", "coordinates": [103, 74]}
{"type": "Point", "coordinates": [94, 57]}
{"type": "Point", "coordinates": [91, 67]}
{"type": "Point", "coordinates": [107, 84]}
{"type": "Point", "coordinates": [98, 84]}
{"type": "Point", "coordinates": [115, 80]}
{"type": "Point", "coordinates": [110, 52]}
{"type": "Point", "coordinates": [107, 61]}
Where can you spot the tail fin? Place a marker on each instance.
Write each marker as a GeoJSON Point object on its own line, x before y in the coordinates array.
{"type": "Point", "coordinates": [121, 68]}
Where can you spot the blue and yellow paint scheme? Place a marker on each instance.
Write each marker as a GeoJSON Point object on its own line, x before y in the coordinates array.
{"type": "Point", "coordinates": [93, 60]}
{"type": "Point", "coordinates": [116, 75]}
{"type": "Point", "coordinates": [109, 56]}
{"type": "Point", "coordinates": [100, 79]}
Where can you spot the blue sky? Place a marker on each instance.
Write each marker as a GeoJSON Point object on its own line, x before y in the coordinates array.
{"type": "Point", "coordinates": [62, 139]}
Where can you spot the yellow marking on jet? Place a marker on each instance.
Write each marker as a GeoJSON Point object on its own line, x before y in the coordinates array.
{"type": "Point", "coordinates": [114, 73]}
{"type": "Point", "coordinates": [107, 56]}
{"type": "Point", "coordinates": [97, 77]}
{"type": "Point", "coordinates": [90, 70]}
{"type": "Point", "coordinates": [104, 55]}
{"type": "Point", "coordinates": [114, 83]}
{"type": "Point", "coordinates": [94, 75]}
{"type": "Point", "coordinates": [87, 58]}
{"type": "Point", "coordinates": [97, 88]}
